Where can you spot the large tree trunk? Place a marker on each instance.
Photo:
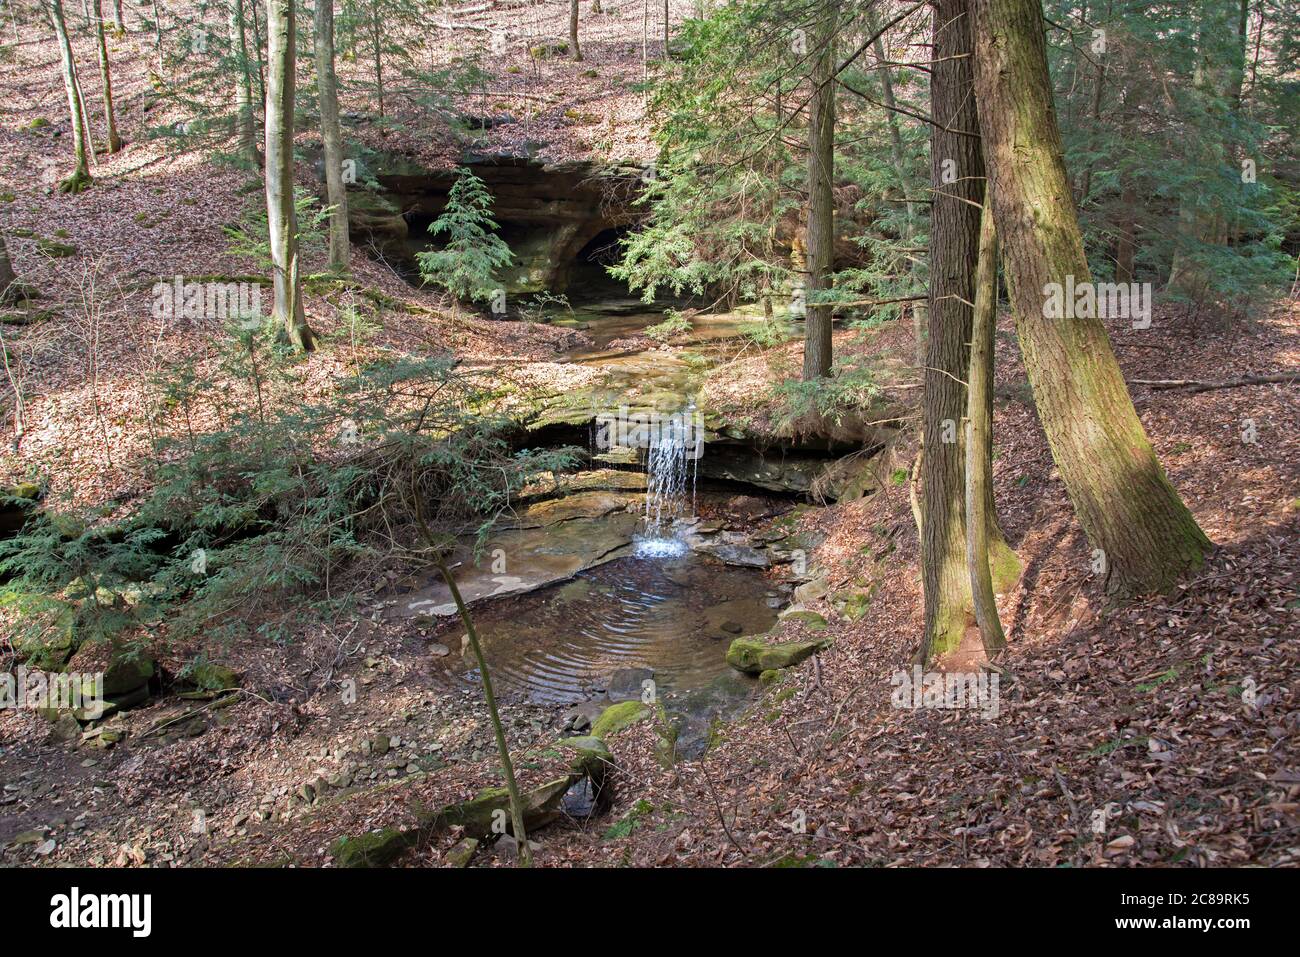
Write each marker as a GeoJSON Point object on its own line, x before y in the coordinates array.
{"type": "Point", "coordinates": [335, 189]}
{"type": "Point", "coordinates": [245, 135]}
{"type": "Point", "coordinates": [112, 142]}
{"type": "Point", "coordinates": [575, 51]}
{"type": "Point", "coordinates": [979, 438]}
{"type": "Point", "coordinates": [821, 203]}
{"type": "Point", "coordinates": [80, 177]}
{"type": "Point", "coordinates": [957, 171]}
{"type": "Point", "coordinates": [281, 215]}
{"type": "Point", "coordinates": [8, 278]}
{"type": "Point", "coordinates": [1123, 499]}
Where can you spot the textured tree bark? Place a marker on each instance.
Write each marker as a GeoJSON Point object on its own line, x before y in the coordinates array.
{"type": "Point", "coordinates": [80, 177]}
{"type": "Point", "coordinates": [1123, 499]}
{"type": "Point", "coordinates": [118, 24]}
{"type": "Point", "coordinates": [245, 136]}
{"type": "Point", "coordinates": [331, 135]}
{"type": "Point", "coordinates": [979, 438]}
{"type": "Point", "coordinates": [957, 171]}
{"type": "Point", "coordinates": [8, 278]}
{"type": "Point", "coordinates": [282, 217]}
{"type": "Point", "coordinates": [112, 142]}
{"type": "Point", "coordinates": [575, 51]}
{"type": "Point", "coordinates": [821, 205]}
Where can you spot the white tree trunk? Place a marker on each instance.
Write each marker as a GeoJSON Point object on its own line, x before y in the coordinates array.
{"type": "Point", "coordinates": [80, 177]}
{"type": "Point", "coordinates": [282, 218]}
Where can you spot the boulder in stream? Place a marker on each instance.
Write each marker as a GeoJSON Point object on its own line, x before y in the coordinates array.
{"type": "Point", "coordinates": [754, 655]}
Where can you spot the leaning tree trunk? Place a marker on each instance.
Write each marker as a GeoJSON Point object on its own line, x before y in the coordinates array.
{"type": "Point", "coordinates": [1124, 501]}
{"type": "Point", "coordinates": [112, 142]}
{"type": "Point", "coordinates": [245, 136]}
{"type": "Point", "coordinates": [80, 177]}
{"type": "Point", "coordinates": [575, 51]}
{"type": "Point", "coordinates": [979, 438]}
{"type": "Point", "coordinates": [281, 214]}
{"type": "Point", "coordinates": [517, 824]}
{"type": "Point", "coordinates": [957, 171]}
{"type": "Point", "coordinates": [821, 204]}
{"type": "Point", "coordinates": [118, 24]}
{"type": "Point", "coordinates": [335, 190]}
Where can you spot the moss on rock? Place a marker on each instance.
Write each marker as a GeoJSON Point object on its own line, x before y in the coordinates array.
{"type": "Point", "coordinates": [592, 758]}
{"type": "Point", "coordinates": [372, 849]}
{"type": "Point", "coordinates": [617, 717]}
{"type": "Point", "coordinates": [126, 673]}
{"type": "Point", "coordinates": [207, 676]}
{"type": "Point", "coordinates": [754, 656]}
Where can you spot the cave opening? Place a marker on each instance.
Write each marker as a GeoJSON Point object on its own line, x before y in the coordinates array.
{"type": "Point", "coordinates": [589, 277]}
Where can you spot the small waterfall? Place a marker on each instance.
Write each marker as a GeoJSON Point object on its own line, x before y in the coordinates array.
{"type": "Point", "coordinates": [669, 469]}
{"type": "Point", "coordinates": [669, 449]}
{"type": "Point", "coordinates": [672, 454]}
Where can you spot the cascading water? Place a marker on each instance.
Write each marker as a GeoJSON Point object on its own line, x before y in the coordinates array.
{"type": "Point", "coordinates": [668, 446]}
{"type": "Point", "coordinates": [672, 454]}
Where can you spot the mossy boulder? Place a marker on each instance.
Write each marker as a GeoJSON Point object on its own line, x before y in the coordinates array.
{"type": "Point", "coordinates": [546, 51]}
{"type": "Point", "coordinates": [754, 656]}
{"type": "Point", "coordinates": [460, 854]}
{"type": "Point", "coordinates": [50, 652]}
{"type": "Point", "coordinates": [592, 758]}
{"type": "Point", "coordinates": [126, 673]}
{"type": "Point", "coordinates": [207, 676]}
{"type": "Point", "coordinates": [477, 815]}
{"type": "Point", "coordinates": [372, 849]}
{"type": "Point", "coordinates": [618, 717]}
{"type": "Point", "coordinates": [27, 491]}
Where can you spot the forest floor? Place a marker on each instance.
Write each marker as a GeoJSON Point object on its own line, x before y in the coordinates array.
{"type": "Point", "coordinates": [1175, 716]}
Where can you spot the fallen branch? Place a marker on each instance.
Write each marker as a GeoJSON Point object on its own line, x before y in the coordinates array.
{"type": "Point", "coordinates": [1201, 385]}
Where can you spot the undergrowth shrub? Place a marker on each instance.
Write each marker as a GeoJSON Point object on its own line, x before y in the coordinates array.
{"type": "Point", "coordinates": [258, 513]}
{"type": "Point", "coordinates": [847, 391]}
